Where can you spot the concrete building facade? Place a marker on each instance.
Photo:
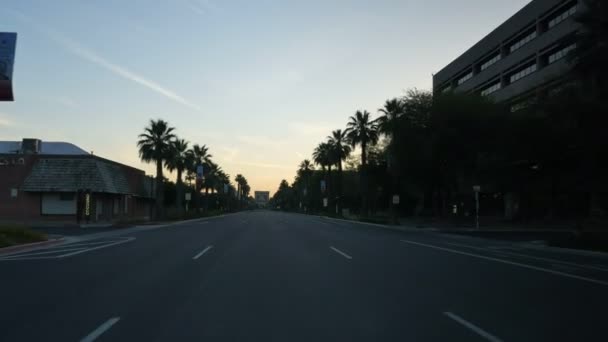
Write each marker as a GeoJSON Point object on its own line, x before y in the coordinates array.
{"type": "Point", "coordinates": [521, 59]}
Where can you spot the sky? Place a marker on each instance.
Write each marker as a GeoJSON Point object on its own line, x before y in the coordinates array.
{"type": "Point", "coordinates": [261, 83]}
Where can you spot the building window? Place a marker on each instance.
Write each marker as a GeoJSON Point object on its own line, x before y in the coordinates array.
{"type": "Point", "coordinates": [490, 62]}
{"type": "Point", "coordinates": [523, 73]}
{"type": "Point", "coordinates": [562, 16]}
{"type": "Point", "coordinates": [465, 78]}
{"type": "Point", "coordinates": [523, 41]}
{"type": "Point", "coordinates": [66, 196]}
{"type": "Point", "coordinates": [556, 56]}
{"type": "Point", "coordinates": [489, 90]}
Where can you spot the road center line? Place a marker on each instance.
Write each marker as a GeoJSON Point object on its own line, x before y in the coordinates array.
{"type": "Point", "coordinates": [473, 327]}
{"type": "Point", "coordinates": [202, 252]}
{"type": "Point", "coordinates": [340, 252]}
{"type": "Point", "coordinates": [100, 330]}
{"type": "Point", "coordinates": [567, 275]}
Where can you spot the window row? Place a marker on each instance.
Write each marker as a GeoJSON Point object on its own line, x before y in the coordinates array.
{"type": "Point", "coordinates": [525, 40]}
{"type": "Point", "coordinates": [556, 56]}
{"type": "Point", "coordinates": [489, 90]}
{"type": "Point", "coordinates": [490, 62]}
{"type": "Point", "coordinates": [563, 16]}
{"type": "Point", "coordinates": [523, 73]}
{"type": "Point", "coordinates": [465, 78]}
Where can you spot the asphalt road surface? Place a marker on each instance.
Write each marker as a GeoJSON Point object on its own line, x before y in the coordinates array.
{"type": "Point", "coordinates": [268, 276]}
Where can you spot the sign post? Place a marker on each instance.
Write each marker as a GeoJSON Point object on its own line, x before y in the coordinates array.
{"type": "Point", "coordinates": [8, 43]}
{"type": "Point", "coordinates": [476, 189]}
{"type": "Point", "coordinates": [188, 199]}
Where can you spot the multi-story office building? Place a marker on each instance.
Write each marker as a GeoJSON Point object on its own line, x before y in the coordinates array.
{"type": "Point", "coordinates": [521, 59]}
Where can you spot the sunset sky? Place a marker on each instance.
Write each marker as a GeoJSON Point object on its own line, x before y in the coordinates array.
{"type": "Point", "coordinates": [259, 82]}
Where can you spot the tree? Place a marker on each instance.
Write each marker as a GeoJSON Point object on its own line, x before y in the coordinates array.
{"type": "Point", "coordinates": [178, 160]}
{"type": "Point", "coordinates": [362, 131]}
{"type": "Point", "coordinates": [241, 183]}
{"type": "Point", "coordinates": [154, 146]}
{"type": "Point", "coordinates": [322, 156]}
{"type": "Point", "coordinates": [387, 123]}
{"type": "Point", "coordinates": [339, 151]}
{"type": "Point", "coordinates": [283, 197]}
{"type": "Point", "coordinates": [305, 171]}
{"type": "Point", "coordinates": [200, 156]}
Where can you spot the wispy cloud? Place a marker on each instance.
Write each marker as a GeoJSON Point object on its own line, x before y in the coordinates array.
{"type": "Point", "coordinates": [229, 153]}
{"type": "Point", "coordinates": [202, 7]}
{"type": "Point", "coordinates": [265, 165]}
{"type": "Point", "coordinates": [5, 122]}
{"type": "Point", "coordinates": [310, 129]}
{"type": "Point", "coordinates": [261, 141]}
{"type": "Point", "coordinates": [90, 56]}
{"type": "Point", "coordinates": [61, 100]}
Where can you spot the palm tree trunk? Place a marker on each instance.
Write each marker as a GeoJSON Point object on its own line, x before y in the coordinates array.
{"type": "Point", "coordinates": [329, 186]}
{"type": "Point", "coordinates": [363, 179]}
{"type": "Point", "coordinates": [159, 189]}
{"type": "Point", "coordinates": [206, 198]}
{"type": "Point", "coordinates": [179, 194]}
{"type": "Point", "coordinates": [339, 188]}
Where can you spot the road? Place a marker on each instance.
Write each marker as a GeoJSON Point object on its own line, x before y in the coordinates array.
{"type": "Point", "coordinates": [270, 276]}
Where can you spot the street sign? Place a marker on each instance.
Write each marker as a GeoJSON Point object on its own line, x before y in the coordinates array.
{"type": "Point", "coordinates": [477, 189]}
{"type": "Point", "coordinates": [323, 186]}
{"type": "Point", "coordinates": [395, 199]}
{"type": "Point", "coordinates": [188, 196]}
{"type": "Point", "coordinates": [8, 43]}
{"type": "Point", "coordinates": [325, 202]}
{"type": "Point", "coordinates": [199, 171]}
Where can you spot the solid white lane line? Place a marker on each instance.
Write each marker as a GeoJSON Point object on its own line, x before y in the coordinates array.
{"type": "Point", "coordinates": [94, 248]}
{"type": "Point", "coordinates": [42, 253]}
{"type": "Point", "coordinates": [567, 275]}
{"type": "Point", "coordinates": [340, 252]}
{"type": "Point", "coordinates": [202, 252]}
{"type": "Point", "coordinates": [473, 327]}
{"type": "Point", "coordinates": [554, 261]}
{"type": "Point", "coordinates": [100, 330]}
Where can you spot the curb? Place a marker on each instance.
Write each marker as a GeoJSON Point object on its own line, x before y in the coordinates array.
{"type": "Point", "coordinates": [384, 226]}
{"type": "Point", "coordinates": [582, 252]}
{"type": "Point", "coordinates": [27, 246]}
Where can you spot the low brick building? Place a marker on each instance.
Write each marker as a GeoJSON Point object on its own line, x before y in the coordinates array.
{"type": "Point", "coordinates": [59, 182]}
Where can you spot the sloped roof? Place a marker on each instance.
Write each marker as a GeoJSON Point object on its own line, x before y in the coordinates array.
{"type": "Point", "coordinates": [46, 147]}
{"type": "Point", "coordinates": [73, 174]}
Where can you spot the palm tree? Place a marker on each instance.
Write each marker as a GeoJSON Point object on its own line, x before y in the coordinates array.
{"type": "Point", "coordinates": [364, 132]}
{"type": "Point", "coordinates": [322, 157]}
{"type": "Point", "coordinates": [306, 169]}
{"type": "Point", "coordinates": [240, 181]}
{"type": "Point", "coordinates": [154, 145]}
{"type": "Point", "coordinates": [387, 123]}
{"type": "Point", "coordinates": [211, 180]}
{"type": "Point", "coordinates": [340, 150]}
{"type": "Point", "coordinates": [178, 160]}
{"type": "Point", "coordinates": [200, 156]}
